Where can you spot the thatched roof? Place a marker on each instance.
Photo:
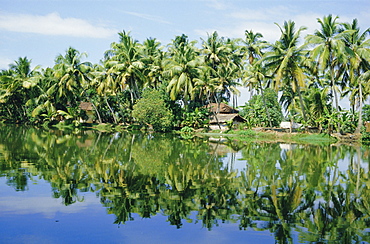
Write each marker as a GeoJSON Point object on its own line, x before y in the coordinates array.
{"type": "Point", "coordinates": [223, 118]}
{"type": "Point", "coordinates": [86, 106]}
{"type": "Point", "coordinates": [221, 108]}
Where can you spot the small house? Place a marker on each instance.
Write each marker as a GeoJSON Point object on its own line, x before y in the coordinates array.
{"type": "Point", "coordinates": [221, 115]}
{"type": "Point", "coordinates": [88, 108]}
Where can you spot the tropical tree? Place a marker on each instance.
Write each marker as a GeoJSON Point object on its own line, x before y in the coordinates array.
{"type": "Point", "coordinates": [253, 47]}
{"type": "Point", "coordinates": [152, 56]}
{"type": "Point", "coordinates": [359, 49]}
{"type": "Point", "coordinates": [329, 51]}
{"type": "Point", "coordinates": [16, 88]}
{"type": "Point", "coordinates": [183, 69]}
{"type": "Point", "coordinates": [125, 67]}
{"type": "Point", "coordinates": [73, 76]}
{"type": "Point", "coordinates": [285, 62]}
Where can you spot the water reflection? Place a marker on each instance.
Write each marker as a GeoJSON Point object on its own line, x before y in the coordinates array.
{"type": "Point", "coordinates": [280, 188]}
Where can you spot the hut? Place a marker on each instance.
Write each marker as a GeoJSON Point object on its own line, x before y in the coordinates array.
{"type": "Point", "coordinates": [222, 114]}
{"type": "Point", "coordinates": [88, 108]}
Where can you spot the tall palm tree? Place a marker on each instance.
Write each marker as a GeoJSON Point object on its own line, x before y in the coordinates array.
{"type": "Point", "coordinates": [359, 49]}
{"type": "Point", "coordinates": [253, 45]}
{"type": "Point", "coordinates": [152, 57]}
{"type": "Point", "coordinates": [255, 76]}
{"type": "Point", "coordinates": [253, 50]}
{"type": "Point", "coordinates": [285, 62]}
{"type": "Point", "coordinates": [183, 69]}
{"type": "Point", "coordinates": [73, 76]}
{"type": "Point", "coordinates": [124, 64]}
{"type": "Point", "coordinates": [215, 50]}
{"type": "Point", "coordinates": [329, 50]}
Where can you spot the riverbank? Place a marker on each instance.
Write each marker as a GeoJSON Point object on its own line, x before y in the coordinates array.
{"type": "Point", "coordinates": [275, 136]}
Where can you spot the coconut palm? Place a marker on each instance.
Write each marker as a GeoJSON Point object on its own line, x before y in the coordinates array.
{"type": "Point", "coordinates": [285, 62]}
{"type": "Point", "coordinates": [125, 67]}
{"type": "Point", "coordinates": [13, 87]}
{"type": "Point", "coordinates": [329, 50]}
{"type": "Point", "coordinates": [359, 50]}
{"type": "Point", "coordinates": [73, 76]}
{"type": "Point", "coordinates": [182, 69]}
{"type": "Point", "coordinates": [152, 57]}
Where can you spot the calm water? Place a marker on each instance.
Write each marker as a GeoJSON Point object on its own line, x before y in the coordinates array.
{"type": "Point", "coordinates": [90, 187]}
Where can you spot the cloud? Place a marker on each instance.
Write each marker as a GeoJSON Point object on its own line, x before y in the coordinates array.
{"type": "Point", "coordinates": [217, 4]}
{"type": "Point", "coordinates": [45, 205]}
{"type": "Point", "coordinates": [147, 17]}
{"type": "Point", "coordinates": [4, 63]}
{"type": "Point", "coordinates": [53, 24]}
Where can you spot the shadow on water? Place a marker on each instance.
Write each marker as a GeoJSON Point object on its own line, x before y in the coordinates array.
{"type": "Point", "coordinates": [320, 192]}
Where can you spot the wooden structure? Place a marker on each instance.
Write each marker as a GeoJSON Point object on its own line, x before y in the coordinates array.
{"type": "Point", "coordinates": [89, 110]}
{"type": "Point", "coordinates": [221, 115]}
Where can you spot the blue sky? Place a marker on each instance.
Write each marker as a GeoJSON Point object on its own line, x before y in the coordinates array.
{"type": "Point", "coordinates": [42, 29]}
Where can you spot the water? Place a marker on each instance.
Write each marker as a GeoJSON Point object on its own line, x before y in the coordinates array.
{"type": "Point", "coordinates": [91, 187]}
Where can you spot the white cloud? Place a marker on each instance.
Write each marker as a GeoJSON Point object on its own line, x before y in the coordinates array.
{"type": "Point", "coordinates": [53, 24]}
{"type": "Point", "coordinates": [217, 4]}
{"type": "Point", "coordinates": [45, 205]}
{"type": "Point", "coordinates": [4, 63]}
{"type": "Point", "coordinates": [147, 17]}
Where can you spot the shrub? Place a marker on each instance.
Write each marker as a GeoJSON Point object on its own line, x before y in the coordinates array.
{"type": "Point", "coordinates": [152, 110]}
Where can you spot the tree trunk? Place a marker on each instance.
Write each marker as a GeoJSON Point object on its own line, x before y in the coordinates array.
{"type": "Point", "coordinates": [111, 110]}
{"type": "Point", "coordinates": [359, 124]}
{"type": "Point", "coordinates": [302, 106]}
{"type": "Point", "coordinates": [97, 112]}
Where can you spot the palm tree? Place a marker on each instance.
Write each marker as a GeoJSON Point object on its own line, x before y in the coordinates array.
{"type": "Point", "coordinates": [359, 50]}
{"type": "Point", "coordinates": [329, 50]}
{"type": "Point", "coordinates": [253, 45]}
{"type": "Point", "coordinates": [73, 76]}
{"type": "Point", "coordinates": [215, 50]}
{"type": "Point", "coordinates": [16, 87]}
{"type": "Point", "coordinates": [183, 69]}
{"type": "Point", "coordinates": [253, 49]}
{"type": "Point", "coordinates": [125, 66]}
{"type": "Point", "coordinates": [152, 57]}
{"type": "Point", "coordinates": [285, 62]}
{"type": "Point", "coordinates": [255, 76]}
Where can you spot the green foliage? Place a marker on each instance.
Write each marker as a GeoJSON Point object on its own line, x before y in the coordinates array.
{"type": "Point", "coordinates": [187, 132]}
{"type": "Point", "coordinates": [152, 110]}
{"type": "Point", "coordinates": [196, 119]}
{"type": "Point", "coordinates": [366, 113]}
{"type": "Point", "coordinates": [365, 137]}
{"type": "Point", "coordinates": [255, 110]}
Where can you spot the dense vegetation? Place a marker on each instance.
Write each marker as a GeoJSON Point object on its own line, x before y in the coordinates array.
{"type": "Point", "coordinates": [312, 74]}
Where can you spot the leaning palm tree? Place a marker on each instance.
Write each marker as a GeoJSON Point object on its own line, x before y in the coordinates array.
{"type": "Point", "coordinates": [285, 62]}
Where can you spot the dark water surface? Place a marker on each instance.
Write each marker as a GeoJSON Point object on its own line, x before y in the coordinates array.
{"type": "Point", "coordinates": [91, 187]}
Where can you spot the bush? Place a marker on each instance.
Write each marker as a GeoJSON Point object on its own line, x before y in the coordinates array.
{"type": "Point", "coordinates": [255, 111]}
{"type": "Point", "coordinates": [152, 110]}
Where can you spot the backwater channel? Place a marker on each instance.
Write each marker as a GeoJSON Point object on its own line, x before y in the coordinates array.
{"type": "Point", "coordinates": [125, 187]}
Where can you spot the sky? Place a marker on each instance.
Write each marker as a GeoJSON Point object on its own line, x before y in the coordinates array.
{"type": "Point", "coordinates": [43, 29]}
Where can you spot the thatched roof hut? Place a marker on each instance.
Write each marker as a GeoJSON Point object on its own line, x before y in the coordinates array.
{"type": "Point", "coordinates": [221, 108]}
{"type": "Point", "coordinates": [223, 118]}
{"type": "Point", "coordinates": [86, 106]}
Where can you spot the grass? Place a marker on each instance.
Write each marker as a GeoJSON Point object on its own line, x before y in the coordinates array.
{"type": "Point", "coordinates": [251, 135]}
